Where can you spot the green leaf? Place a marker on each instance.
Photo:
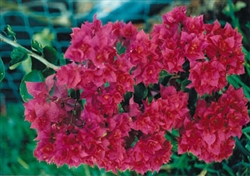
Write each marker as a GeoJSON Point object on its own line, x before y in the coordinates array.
{"type": "Point", "coordinates": [239, 5]}
{"type": "Point", "coordinates": [37, 65]}
{"type": "Point", "coordinates": [175, 133]}
{"type": "Point", "coordinates": [184, 83]}
{"type": "Point", "coordinates": [164, 77]}
{"type": "Point", "coordinates": [106, 84]}
{"type": "Point", "coordinates": [127, 97]}
{"type": "Point", "coordinates": [120, 49]}
{"type": "Point", "coordinates": [17, 56]}
{"type": "Point", "coordinates": [248, 25]}
{"type": "Point", "coordinates": [120, 108]}
{"type": "Point", "coordinates": [236, 82]}
{"type": "Point", "coordinates": [8, 30]}
{"type": "Point", "coordinates": [50, 54]}
{"type": "Point", "coordinates": [36, 46]}
{"type": "Point", "coordinates": [246, 130]}
{"type": "Point", "coordinates": [228, 169]}
{"type": "Point", "coordinates": [164, 73]}
{"type": "Point", "coordinates": [193, 96]}
{"type": "Point", "coordinates": [240, 147]}
{"type": "Point", "coordinates": [141, 91]}
{"type": "Point", "coordinates": [62, 60]}
{"type": "Point", "coordinates": [33, 76]}
{"type": "Point", "coordinates": [247, 54]}
{"type": "Point", "coordinates": [233, 80]}
{"type": "Point", "coordinates": [246, 91]}
{"type": "Point", "coordinates": [2, 70]}
{"type": "Point", "coordinates": [47, 72]}
{"type": "Point", "coordinates": [248, 147]}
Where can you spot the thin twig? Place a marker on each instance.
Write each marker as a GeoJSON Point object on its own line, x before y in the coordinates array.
{"type": "Point", "coordinates": [32, 54]}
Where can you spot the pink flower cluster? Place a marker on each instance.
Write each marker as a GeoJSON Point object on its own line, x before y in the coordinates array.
{"type": "Point", "coordinates": [213, 52]}
{"type": "Point", "coordinates": [210, 134]}
{"type": "Point", "coordinates": [95, 127]}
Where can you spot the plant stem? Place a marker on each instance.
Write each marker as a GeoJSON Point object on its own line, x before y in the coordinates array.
{"type": "Point", "coordinates": [32, 54]}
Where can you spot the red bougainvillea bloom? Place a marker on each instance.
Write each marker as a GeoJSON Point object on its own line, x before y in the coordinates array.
{"type": "Point", "coordinates": [210, 135]}
{"type": "Point", "coordinates": [53, 117]}
{"type": "Point", "coordinates": [225, 45]}
{"type": "Point", "coordinates": [194, 25]}
{"type": "Point", "coordinates": [128, 31]}
{"type": "Point", "coordinates": [64, 75]}
{"type": "Point", "coordinates": [163, 114]}
{"type": "Point", "coordinates": [207, 77]}
{"type": "Point", "coordinates": [142, 56]}
{"type": "Point", "coordinates": [176, 16]}
{"type": "Point", "coordinates": [89, 111]}
{"type": "Point", "coordinates": [194, 46]}
{"type": "Point", "coordinates": [174, 112]}
{"type": "Point", "coordinates": [149, 152]}
{"type": "Point", "coordinates": [139, 49]}
{"type": "Point", "coordinates": [169, 50]}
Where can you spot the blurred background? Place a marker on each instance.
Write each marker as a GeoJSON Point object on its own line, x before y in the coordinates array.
{"type": "Point", "coordinates": [50, 23]}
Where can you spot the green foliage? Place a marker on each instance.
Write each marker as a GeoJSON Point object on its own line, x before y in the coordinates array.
{"type": "Point", "coordinates": [36, 46]}
{"type": "Point", "coordinates": [246, 130]}
{"type": "Point", "coordinates": [141, 92]}
{"type": "Point", "coordinates": [9, 32]}
{"type": "Point", "coordinates": [2, 70]}
{"type": "Point", "coordinates": [236, 81]}
{"type": "Point", "coordinates": [33, 76]}
{"type": "Point", "coordinates": [241, 148]}
{"type": "Point", "coordinates": [248, 24]}
{"type": "Point", "coordinates": [164, 77]}
{"type": "Point", "coordinates": [120, 49]}
{"type": "Point", "coordinates": [49, 54]}
{"type": "Point", "coordinates": [18, 55]}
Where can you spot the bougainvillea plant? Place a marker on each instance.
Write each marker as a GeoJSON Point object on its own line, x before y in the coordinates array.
{"type": "Point", "coordinates": [121, 91]}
